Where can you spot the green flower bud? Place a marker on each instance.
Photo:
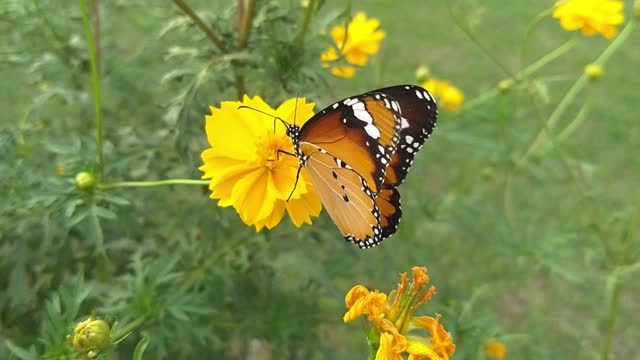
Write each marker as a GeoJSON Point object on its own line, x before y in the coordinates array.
{"type": "Point", "coordinates": [505, 86]}
{"type": "Point", "coordinates": [84, 181]}
{"type": "Point", "coordinates": [91, 336]}
{"type": "Point", "coordinates": [593, 71]}
{"type": "Point", "coordinates": [422, 73]}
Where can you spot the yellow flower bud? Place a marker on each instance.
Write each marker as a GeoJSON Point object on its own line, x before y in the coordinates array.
{"type": "Point", "coordinates": [84, 181]}
{"type": "Point", "coordinates": [422, 73]}
{"type": "Point", "coordinates": [593, 71]}
{"type": "Point", "coordinates": [505, 86]}
{"type": "Point", "coordinates": [305, 3]}
{"type": "Point", "coordinates": [636, 9]}
{"type": "Point", "coordinates": [91, 336]}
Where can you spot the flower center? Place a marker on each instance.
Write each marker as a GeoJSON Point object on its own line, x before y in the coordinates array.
{"type": "Point", "coordinates": [267, 149]}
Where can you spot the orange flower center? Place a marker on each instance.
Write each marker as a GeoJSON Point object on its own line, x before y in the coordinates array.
{"type": "Point", "coordinates": [267, 150]}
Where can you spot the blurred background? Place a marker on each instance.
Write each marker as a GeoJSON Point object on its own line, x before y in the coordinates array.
{"type": "Point", "coordinates": [538, 252]}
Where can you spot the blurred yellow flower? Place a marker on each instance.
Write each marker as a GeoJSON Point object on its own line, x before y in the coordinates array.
{"type": "Point", "coordinates": [449, 97]}
{"type": "Point", "coordinates": [354, 43]}
{"type": "Point", "coordinates": [495, 349]}
{"type": "Point", "coordinates": [246, 169]}
{"type": "Point", "coordinates": [390, 320]}
{"type": "Point", "coordinates": [590, 16]}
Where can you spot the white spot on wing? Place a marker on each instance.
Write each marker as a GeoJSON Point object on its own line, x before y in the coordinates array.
{"type": "Point", "coordinates": [372, 131]}
{"type": "Point", "coordinates": [409, 139]}
{"type": "Point", "coordinates": [404, 123]}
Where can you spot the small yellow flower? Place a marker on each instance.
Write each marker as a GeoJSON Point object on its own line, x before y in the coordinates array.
{"type": "Point", "coordinates": [92, 336]}
{"type": "Point", "coordinates": [495, 349]}
{"type": "Point", "coordinates": [449, 97]}
{"type": "Point", "coordinates": [391, 319]}
{"type": "Point", "coordinates": [593, 71]}
{"type": "Point", "coordinates": [590, 16]}
{"type": "Point", "coordinates": [60, 170]}
{"type": "Point", "coordinates": [247, 169]}
{"type": "Point", "coordinates": [353, 44]}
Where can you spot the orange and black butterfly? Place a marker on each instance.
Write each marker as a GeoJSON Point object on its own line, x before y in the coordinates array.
{"type": "Point", "coordinates": [358, 150]}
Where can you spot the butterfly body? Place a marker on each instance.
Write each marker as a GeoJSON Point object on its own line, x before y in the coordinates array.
{"type": "Point", "coordinates": [358, 150]}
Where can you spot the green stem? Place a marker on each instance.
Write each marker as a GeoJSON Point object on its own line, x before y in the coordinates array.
{"type": "Point", "coordinates": [576, 88]}
{"type": "Point", "coordinates": [577, 121]}
{"type": "Point", "coordinates": [532, 25]}
{"type": "Point", "coordinates": [199, 23]}
{"type": "Point", "coordinates": [612, 318]}
{"type": "Point", "coordinates": [95, 87]}
{"type": "Point", "coordinates": [561, 50]}
{"type": "Point", "coordinates": [305, 25]}
{"type": "Point", "coordinates": [475, 40]}
{"type": "Point", "coordinates": [124, 184]}
{"type": "Point", "coordinates": [245, 20]}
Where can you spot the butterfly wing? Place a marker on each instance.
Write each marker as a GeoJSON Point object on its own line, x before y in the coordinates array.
{"type": "Point", "coordinates": [346, 149]}
{"type": "Point", "coordinates": [346, 195]}
{"type": "Point", "coordinates": [361, 131]}
{"type": "Point", "coordinates": [419, 112]}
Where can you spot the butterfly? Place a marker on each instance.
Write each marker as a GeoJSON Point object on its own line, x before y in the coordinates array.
{"type": "Point", "coordinates": [358, 150]}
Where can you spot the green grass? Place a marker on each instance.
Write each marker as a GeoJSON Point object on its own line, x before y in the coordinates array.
{"type": "Point", "coordinates": [515, 251]}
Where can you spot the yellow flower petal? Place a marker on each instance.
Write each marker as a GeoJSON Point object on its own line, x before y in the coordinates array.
{"type": "Point", "coordinates": [495, 349]}
{"type": "Point", "coordinates": [441, 340]}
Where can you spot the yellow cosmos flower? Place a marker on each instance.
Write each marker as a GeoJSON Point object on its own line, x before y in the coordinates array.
{"type": "Point", "coordinates": [390, 320]}
{"type": "Point", "coordinates": [495, 349]}
{"type": "Point", "coordinates": [245, 166]}
{"type": "Point", "coordinates": [590, 16]}
{"type": "Point", "coordinates": [449, 97]}
{"type": "Point", "coordinates": [354, 43]}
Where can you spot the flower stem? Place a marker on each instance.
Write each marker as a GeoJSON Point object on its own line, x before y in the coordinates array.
{"type": "Point", "coordinates": [561, 50]}
{"type": "Point", "coordinates": [305, 25]}
{"type": "Point", "coordinates": [575, 89]}
{"type": "Point", "coordinates": [245, 20]}
{"type": "Point", "coordinates": [199, 23]}
{"type": "Point", "coordinates": [95, 88]}
{"type": "Point", "coordinates": [124, 184]}
{"type": "Point", "coordinates": [532, 25]}
{"type": "Point", "coordinates": [614, 305]}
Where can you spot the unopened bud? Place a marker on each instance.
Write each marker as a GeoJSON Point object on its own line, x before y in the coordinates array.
{"type": "Point", "coordinates": [593, 71]}
{"type": "Point", "coordinates": [504, 86]}
{"type": "Point", "coordinates": [422, 73]}
{"type": "Point", "coordinates": [636, 9]}
{"type": "Point", "coordinates": [84, 181]}
{"type": "Point", "coordinates": [91, 336]}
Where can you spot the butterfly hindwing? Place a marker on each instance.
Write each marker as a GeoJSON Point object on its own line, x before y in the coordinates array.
{"type": "Point", "coordinates": [346, 195]}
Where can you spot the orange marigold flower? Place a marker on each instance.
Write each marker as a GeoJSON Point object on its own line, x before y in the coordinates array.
{"type": "Point", "coordinates": [441, 339]}
{"type": "Point", "coordinates": [246, 168]}
{"type": "Point", "coordinates": [353, 43]}
{"type": "Point", "coordinates": [360, 301]}
{"type": "Point", "coordinates": [590, 16]}
{"type": "Point", "coordinates": [496, 349]}
{"type": "Point", "coordinates": [391, 322]}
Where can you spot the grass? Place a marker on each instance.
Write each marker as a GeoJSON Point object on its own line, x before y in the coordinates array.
{"type": "Point", "coordinates": [516, 252]}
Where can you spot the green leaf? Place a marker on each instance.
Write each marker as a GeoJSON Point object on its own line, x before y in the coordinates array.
{"type": "Point", "coordinates": [141, 347]}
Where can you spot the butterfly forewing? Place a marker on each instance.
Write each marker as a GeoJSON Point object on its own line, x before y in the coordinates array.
{"type": "Point", "coordinates": [418, 119]}
{"type": "Point", "coordinates": [362, 132]}
{"type": "Point", "coordinates": [346, 196]}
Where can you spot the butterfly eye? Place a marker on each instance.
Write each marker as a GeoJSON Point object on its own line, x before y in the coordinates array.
{"type": "Point", "coordinates": [358, 150]}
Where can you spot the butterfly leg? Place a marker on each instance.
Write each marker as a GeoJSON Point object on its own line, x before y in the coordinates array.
{"type": "Point", "coordinates": [296, 183]}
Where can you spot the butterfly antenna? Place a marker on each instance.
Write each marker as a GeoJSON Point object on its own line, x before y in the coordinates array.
{"type": "Point", "coordinates": [286, 124]}
{"type": "Point", "coordinates": [296, 183]}
{"type": "Point", "coordinates": [295, 110]}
